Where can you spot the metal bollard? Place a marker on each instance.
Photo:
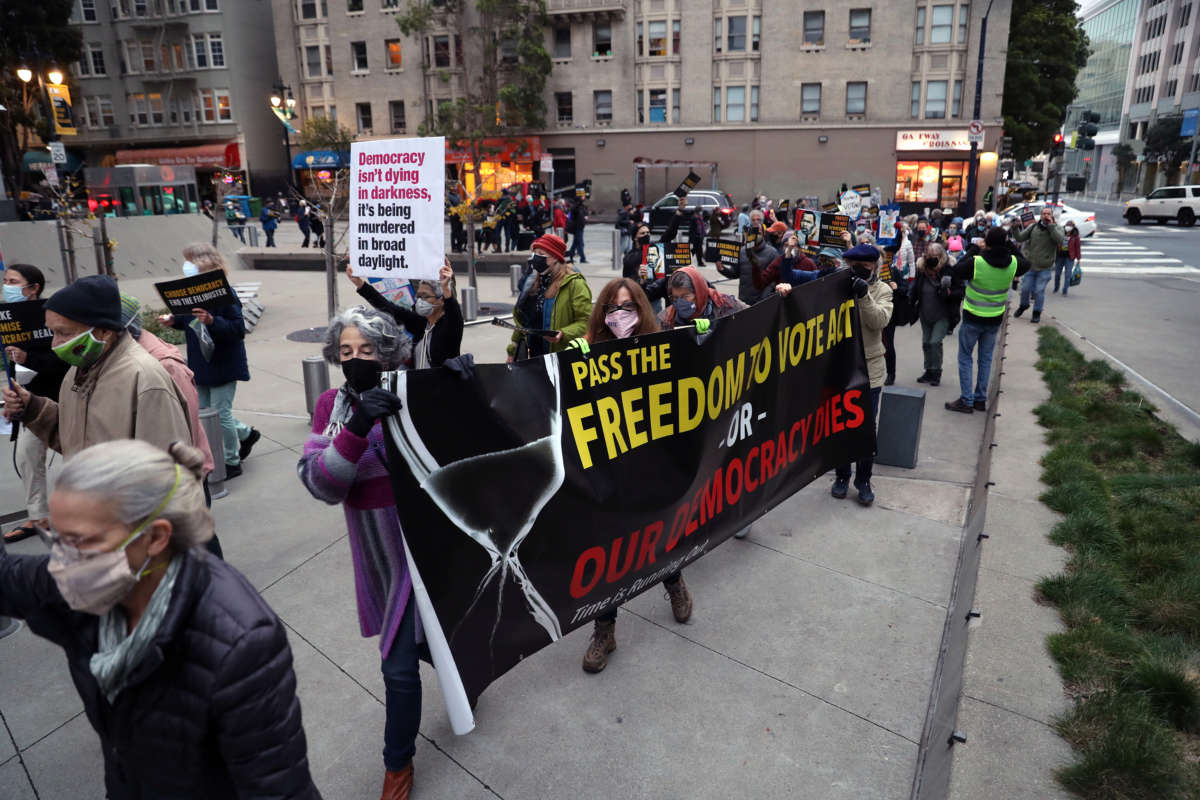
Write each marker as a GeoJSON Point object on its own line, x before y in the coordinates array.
{"type": "Point", "coordinates": [253, 231]}
{"type": "Point", "coordinates": [514, 277]}
{"type": "Point", "coordinates": [210, 421]}
{"type": "Point", "coordinates": [316, 380]}
{"type": "Point", "coordinates": [618, 256]}
{"type": "Point", "coordinates": [8, 626]}
{"type": "Point", "coordinates": [470, 303]}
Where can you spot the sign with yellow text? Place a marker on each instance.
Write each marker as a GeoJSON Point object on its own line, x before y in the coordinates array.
{"type": "Point", "coordinates": [60, 101]}
{"type": "Point", "coordinates": [538, 495]}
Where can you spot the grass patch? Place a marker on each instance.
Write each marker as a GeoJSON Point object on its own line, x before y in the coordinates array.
{"type": "Point", "coordinates": [165, 332]}
{"type": "Point", "coordinates": [1129, 489]}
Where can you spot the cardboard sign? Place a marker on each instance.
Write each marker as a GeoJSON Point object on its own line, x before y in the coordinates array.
{"type": "Point", "coordinates": [852, 203]}
{"type": "Point", "coordinates": [397, 194]}
{"type": "Point", "coordinates": [863, 189]}
{"type": "Point", "coordinates": [725, 251]}
{"type": "Point", "coordinates": [1027, 215]}
{"type": "Point", "coordinates": [656, 261]}
{"type": "Point", "coordinates": [23, 325]}
{"type": "Point", "coordinates": [889, 219]}
{"type": "Point", "coordinates": [676, 255]}
{"type": "Point", "coordinates": [689, 183]}
{"type": "Point", "coordinates": [832, 228]}
{"type": "Point", "coordinates": [808, 225]}
{"type": "Point", "coordinates": [208, 290]}
{"type": "Point", "coordinates": [832, 208]}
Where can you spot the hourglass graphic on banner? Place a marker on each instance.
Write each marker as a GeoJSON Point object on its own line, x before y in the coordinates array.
{"type": "Point", "coordinates": [498, 528]}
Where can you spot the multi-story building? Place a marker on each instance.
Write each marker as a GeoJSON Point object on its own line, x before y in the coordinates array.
{"type": "Point", "coordinates": [787, 99]}
{"type": "Point", "coordinates": [178, 83]}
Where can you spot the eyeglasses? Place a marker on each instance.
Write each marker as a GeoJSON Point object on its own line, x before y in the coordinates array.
{"type": "Point", "coordinates": [430, 297]}
{"type": "Point", "coordinates": [610, 308]}
{"type": "Point", "coordinates": [69, 542]}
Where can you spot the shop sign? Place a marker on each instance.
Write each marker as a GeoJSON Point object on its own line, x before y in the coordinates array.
{"type": "Point", "coordinates": [933, 139]}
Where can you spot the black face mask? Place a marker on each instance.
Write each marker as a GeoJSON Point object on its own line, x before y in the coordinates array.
{"type": "Point", "coordinates": [539, 264]}
{"type": "Point", "coordinates": [362, 373]}
{"type": "Point", "coordinates": [644, 240]}
{"type": "Point", "coordinates": [862, 272]}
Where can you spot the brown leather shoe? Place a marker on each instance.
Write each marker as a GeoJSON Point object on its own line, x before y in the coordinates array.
{"type": "Point", "coordinates": [397, 785]}
{"type": "Point", "coordinates": [603, 642]}
{"type": "Point", "coordinates": [681, 600]}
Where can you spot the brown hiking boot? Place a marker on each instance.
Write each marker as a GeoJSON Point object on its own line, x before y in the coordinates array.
{"type": "Point", "coordinates": [603, 642]}
{"type": "Point", "coordinates": [681, 600]}
{"type": "Point", "coordinates": [397, 785]}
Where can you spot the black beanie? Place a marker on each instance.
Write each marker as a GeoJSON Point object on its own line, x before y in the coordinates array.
{"type": "Point", "coordinates": [93, 301]}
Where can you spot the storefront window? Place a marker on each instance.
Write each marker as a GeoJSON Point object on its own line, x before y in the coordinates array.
{"type": "Point", "coordinates": [954, 183]}
{"type": "Point", "coordinates": [938, 183]}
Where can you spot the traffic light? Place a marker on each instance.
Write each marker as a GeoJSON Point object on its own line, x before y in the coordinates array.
{"type": "Point", "coordinates": [1006, 147]}
{"type": "Point", "coordinates": [1059, 146]}
{"type": "Point", "coordinates": [1087, 129]}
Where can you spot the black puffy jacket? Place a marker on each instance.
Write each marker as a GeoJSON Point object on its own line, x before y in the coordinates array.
{"type": "Point", "coordinates": [211, 712]}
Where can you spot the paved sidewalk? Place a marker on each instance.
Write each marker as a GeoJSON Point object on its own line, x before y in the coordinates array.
{"type": "Point", "coordinates": [804, 673]}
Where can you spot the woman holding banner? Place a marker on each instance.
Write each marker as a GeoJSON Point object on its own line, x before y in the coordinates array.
{"type": "Point", "coordinates": [344, 462]}
{"type": "Point", "coordinates": [621, 311]}
{"type": "Point", "coordinates": [22, 283]}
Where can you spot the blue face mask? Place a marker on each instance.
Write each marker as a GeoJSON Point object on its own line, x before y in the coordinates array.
{"type": "Point", "coordinates": [684, 309]}
{"type": "Point", "coordinates": [190, 269]}
{"type": "Point", "coordinates": [13, 294]}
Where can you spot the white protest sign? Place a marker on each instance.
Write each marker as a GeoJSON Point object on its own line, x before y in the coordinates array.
{"type": "Point", "coordinates": [397, 195]}
{"type": "Point", "coordinates": [851, 203]}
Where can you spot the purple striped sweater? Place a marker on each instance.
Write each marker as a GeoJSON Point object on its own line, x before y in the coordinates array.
{"type": "Point", "coordinates": [349, 469]}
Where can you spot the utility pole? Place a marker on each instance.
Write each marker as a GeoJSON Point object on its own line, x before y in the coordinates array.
{"type": "Point", "coordinates": [973, 166]}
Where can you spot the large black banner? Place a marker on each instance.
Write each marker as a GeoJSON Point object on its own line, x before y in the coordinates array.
{"type": "Point", "coordinates": [539, 494]}
{"type": "Point", "coordinates": [23, 325]}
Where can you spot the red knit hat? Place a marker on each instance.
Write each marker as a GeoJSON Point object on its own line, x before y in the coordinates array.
{"type": "Point", "coordinates": [552, 245]}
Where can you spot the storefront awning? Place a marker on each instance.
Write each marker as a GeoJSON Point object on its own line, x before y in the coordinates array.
{"type": "Point", "coordinates": [220, 155]}
{"type": "Point", "coordinates": [36, 159]}
{"type": "Point", "coordinates": [320, 158]}
{"type": "Point", "coordinates": [517, 148]}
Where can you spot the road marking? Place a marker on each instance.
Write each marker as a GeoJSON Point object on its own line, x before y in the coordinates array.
{"type": "Point", "coordinates": [1139, 272]}
{"type": "Point", "coordinates": [1135, 260]}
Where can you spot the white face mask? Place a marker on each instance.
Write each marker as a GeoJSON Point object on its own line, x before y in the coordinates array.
{"type": "Point", "coordinates": [423, 307]}
{"type": "Point", "coordinates": [190, 269]}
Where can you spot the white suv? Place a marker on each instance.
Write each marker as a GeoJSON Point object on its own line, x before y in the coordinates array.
{"type": "Point", "coordinates": [1168, 202]}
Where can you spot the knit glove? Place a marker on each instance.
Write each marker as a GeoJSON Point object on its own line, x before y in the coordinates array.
{"type": "Point", "coordinates": [859, 287]}
{"type": "Point", "coordinates": [702, 325]}
{"type": "Point", "coordinates": [580, 344]}
{"type": "Point", "coordinates": [372, 404]}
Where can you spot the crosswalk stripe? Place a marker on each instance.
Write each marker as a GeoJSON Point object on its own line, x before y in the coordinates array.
{"type": "Point", "coordinates": [1132, 261]}
{"type": "Point", "coordinates": [1139, 271]}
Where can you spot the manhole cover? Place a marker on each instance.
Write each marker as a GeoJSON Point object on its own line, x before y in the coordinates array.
{"type": "Point", "coordinates": [309, 335]}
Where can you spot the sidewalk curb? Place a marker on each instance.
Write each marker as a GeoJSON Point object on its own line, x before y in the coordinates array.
{"type": "Point", "coordinates": [935, 752]}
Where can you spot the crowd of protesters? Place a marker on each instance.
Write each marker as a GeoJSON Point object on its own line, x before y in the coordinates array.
{"type": "Point", "coordinates": [134, 568]}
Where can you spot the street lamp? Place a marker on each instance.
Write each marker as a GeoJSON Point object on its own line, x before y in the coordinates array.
{"type": "Point", "coordinates": [283, 105]}
{"type": "Point", "coordinates": [55, 76]}
{"type": "Point", "coordinates": [25, 74]}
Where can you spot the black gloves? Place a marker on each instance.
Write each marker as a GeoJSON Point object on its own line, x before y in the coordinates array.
{"type": "Point", "coordinates": [372, 404]}
{"type": "Point", "coordinates": [464, 365]}
{"type": "Point", "coordinates": [858, 287]}
{"type": "Point", "coordinates": [946, 282]}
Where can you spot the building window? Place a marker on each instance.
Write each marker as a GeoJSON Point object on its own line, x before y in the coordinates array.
{"type": "Point", "coordinates": [1169, 89]}
{"type": "Point", "coordinates": [641, 114]}
{"type": "Point", "coordinates": [562, 42]}
{"type": "Point", "coordinates": [964, 16]}
{"type": "Point", "coordinates": [216, 50]}
{"type": "Point", "coordinates": [641, 41]}
{"type": "Point", "coordinates": [916, 99]}
{"type": "Point", "coordinates": [919, 34]}
{"type": "Point", "coordinates": [88, 7]}
{"type": "Point", "coordinates": [658, 105]}
{"type": "Point", "coordinates": [396, 112]}
{"type": "Point", "coordinates": [735, 42]}
{"type": "Point", "coordinates": [353, 6]}
{"type": "Point", "coordinates": [716, 104]}
{"type": "Point", "coordinates": [395, 58]}
{"type": "Point", "coordinates": [943, 22]}
{"type": "Point", "coordinates": [389, 3]}
{"type": "Point", "coordinates": [754, 104]}
{"type": "Point", "coordinates": [602, 45]}
{"type": "Point", "coordinates": [675, 37]}
{"type": "Point", "coordinates": [735, 103]}
{"type": "Point", "coordinates": [1185, 15]}
{"type": "Point", "coordinates": [358, 56]}
{"type": "Point", "coordinates": [96, 55]}
{"type": "Point", "coordinates": [658, 43]}
{"type": "Point", "coordinates": [211, 5]}
{"type": "Point", "coordinates": [201, 50]}
{"type": "Point", "coordinates": [810, 98]}
{"type": "Point", "coordinates": [1177, 54]}
{"type": "Point", "coordinates": [317, 112]}
{"type": "Point", "coordinates": [566, 111]}
{"type": "Point", "coordinates": [956, 111]}
{"type": "Point", "coordinates": [675, 106]}
{"type": "Point", "coordinates": [362, 112]}
{"type": "Point", "coordinates": [860, 25]}
{"type": "Point", "coordinates": [856, 97]}
{"type": "Point", "coordinates": [718, 37]}
{"type": "Point", "coordinates": [814, 27]}
{"type": "Point", "coordinates": [308, 10]}
{"type": "Point", "coordinates": [935, 100]}
{"type": "Point", "coordinates": [157, 110]}
{"type": "Point", "coordinates": [602, 101]}
{"type": "Point", "coordinates": [940, 183]}
{"type": "Point", "coordinates": [224, 110]}
{"type": "Point", "coordinates": [755, 32]}
{"type": "Point", "coordinates": [208, 111]}
{"type": "Point", "coordinates": [441, 51]}
{"type": "Point", "coordinates": [458, 50]}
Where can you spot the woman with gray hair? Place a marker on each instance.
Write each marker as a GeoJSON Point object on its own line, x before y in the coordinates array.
{"type": "Point", "coordinates": [183, 669]}
{"type": "Point", "coordinates": [345, 462]}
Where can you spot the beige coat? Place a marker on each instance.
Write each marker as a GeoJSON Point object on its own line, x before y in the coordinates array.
{"type": "Point", "coordinates": [875, 309]}
{"type": "Point", "coordinates": [125, 395]}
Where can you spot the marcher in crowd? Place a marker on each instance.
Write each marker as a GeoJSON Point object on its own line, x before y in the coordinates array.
{"type": "Point", "coordinates": [23, 283]}
{"type": "Point", "coordinates": [269, 217]}
{"type": "Point", "coordinates": [184, 671]}
{"type": "Point", "coordinates": [898, 277]}
{"type": "Point", "coordinates": [318, 226]}
{"type": "Point", "coordinates": [743, 220]}
{"type": "Point", "coordinates": [623, 224]}
{"type": "Point", "coordinates": [435, 322]}
{"type": "Point", "coordinates": [1068, 256]}
{"type": "Point", "coordinates": [921, 237]}
{"type": "Point", "coordinates": [934, 298]}
{"type": "Point", "coordinates": [1044, 237]}
{"type": "Point", "coordinates": [636, 266]}
{"type": "Point", "coordinates": [345, 462]}
{"type": "Point", "coordinates": [987, 199]}
{"type": "Point", "coordinates": [560, 219]}
{"type": "Point", "coordinates": [697, 228]}
{"type": "Point", "coordinates": [304, 221]}
{"type": "Point", "coordinates": [217, 356]}
{"type": "Point", "coordinates": [236, 221]}
{"type": "Point", "coordinates": [576, 224]}
{"type": "Point", "coordinates": [874, 303]}
{"type": "Point", "coordinates": [622, 310]}
{"type": "Point", "coordinates": [756, 253]}
{"type": "Point", "coordinates": [555, 298]}
{"type": "Point", "coordinates": [988, 275]}
{"type": "Point", "coordinates": [792, 268]}
{"type": "Point", "coordinates": [693, 302]}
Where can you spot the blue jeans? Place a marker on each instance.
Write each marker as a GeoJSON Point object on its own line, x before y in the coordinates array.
{"type": "Point", "coordinates": [232, 431]}
{"type": "Point", "coordinates": [576, 246]}
{"type": "Point", "coordinates": [865, 466]}
{"type": "Point", "coordinates": [1063, 262]}
{"type": "Point", "coordinates": [402, 692]}
{"type": "Point", "coordinates": [1035, 283]}
{"type": "Point", "coordinates": [970, 334]}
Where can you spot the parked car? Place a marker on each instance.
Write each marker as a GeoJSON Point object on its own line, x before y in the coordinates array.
{"type": "Point", "coordinates": [1180, 203]}
{"type": "Point", "coordinates": [706, 200]}
{"type": "Point", "coordinates": [1085, 221]}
